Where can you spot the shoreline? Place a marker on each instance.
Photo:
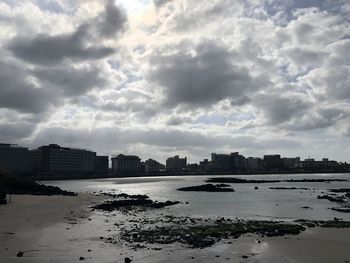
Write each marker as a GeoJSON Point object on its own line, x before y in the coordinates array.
{"type": "Point", "coordinates": [64, 178]}
{"type": "Point", "coordinates": [63, 229]}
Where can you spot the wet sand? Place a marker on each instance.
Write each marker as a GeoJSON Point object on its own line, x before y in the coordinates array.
{"type": "Point", "coordinates": [63, 229]}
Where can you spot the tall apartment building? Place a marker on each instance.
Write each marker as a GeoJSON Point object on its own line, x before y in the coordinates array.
{"type": "Point", "coordinates": [102, 163]}
{"type": "Point", "coordinates": [55, 160]}
{"type": "Point", "coordinates": [291, 163]}
{"type": "Point", "coordinates": [176, 164]}
{"type": "Point", "coordinates": [15, 159]}
{"type": "Point", "coordinates": [273, 162]}
{"type": "Point", "coordinates": [228, 162]}
{"type": "Point", "coordinates": [254, 164]}
{"type": "Point", "coordinates": [222, 162]}
{"type": "Point", "coordinates": [126, 165]}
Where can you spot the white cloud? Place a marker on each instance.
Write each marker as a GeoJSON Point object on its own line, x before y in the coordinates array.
{"type": "Point", "coordinates": [182, 76]}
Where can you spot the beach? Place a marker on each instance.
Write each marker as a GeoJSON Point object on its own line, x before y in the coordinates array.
{"type": "Point", "coordinates": [66, 229]}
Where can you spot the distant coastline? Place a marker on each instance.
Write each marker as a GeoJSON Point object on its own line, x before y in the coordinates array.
{"type": "Point", "coordinates": [81, 177]}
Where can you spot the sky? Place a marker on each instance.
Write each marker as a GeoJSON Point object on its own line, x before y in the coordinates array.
{"type": "Point", "coordinates": [165, 77]}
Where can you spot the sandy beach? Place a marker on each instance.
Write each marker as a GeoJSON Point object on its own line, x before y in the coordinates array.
{"type": "Point", "coordinates": [64, 229]}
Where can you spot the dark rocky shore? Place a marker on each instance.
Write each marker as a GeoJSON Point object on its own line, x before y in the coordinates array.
{"type": "Point", "coordinates": [207, 188]}
{"type": "Point", "coordinates": [201, 235]}
{"type": "Point", "coordinates": [126, 203]}
{"type": "Point", "coordinates": [11, 184]}
{"type": "Point", "coordinates": [233, 180]}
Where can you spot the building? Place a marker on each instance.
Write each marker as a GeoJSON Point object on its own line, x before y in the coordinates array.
{"type": "Point", "coordinates": [254, 164]}
{"type": "Point", "coordinates": [54, 160]}
{"type": "Point", "coordinates": [291, 163]}
{"type": "Point", "coordinates": [233, 162]}
{"type": "Point", "coordinates": [238, 162]}
{"type": "Point", "coordinates": [176, 164]}
{"type": "Point", "coordinates": [126, 165]}
{"type": "Point", "coordinates": [222, 162]}
{"type": "Point", "coordinates": [153, 167]}
{"type": "Point", "coordinates": [273, 162]}
{"type": "Point", "coordinates": [205, 166]}
{"type": "Point", "coordinates": [102, 166]}
{"type": "Point", "coordinates": [15, 159]}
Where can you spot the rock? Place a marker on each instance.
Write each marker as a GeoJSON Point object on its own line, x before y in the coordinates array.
{"type": "Point", "coordinates": [256, 188]}
{"type": "Point", "coordinates": [206, 188]}
{"type": "Point", "coordinates": [127, 260]}
{"type": "Point", "coordinates": [336, 199]}
{"type": "Point", "coordinates": [20, 254]}
{"type": "Point", "coordinates": [245, 256]}
{"type": "Point", "coordinates": [81, 258]}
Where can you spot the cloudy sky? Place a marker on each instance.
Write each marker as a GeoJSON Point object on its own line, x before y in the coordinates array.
{"type": "Point", "coordinates": [164, 77]}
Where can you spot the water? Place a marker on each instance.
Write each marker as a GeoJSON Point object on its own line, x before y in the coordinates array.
{"type": "Point", "coordinates": [245, 202]}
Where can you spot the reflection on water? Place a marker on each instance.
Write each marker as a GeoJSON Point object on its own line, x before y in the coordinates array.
{"type": "Point", "coordinates": [245, 202]}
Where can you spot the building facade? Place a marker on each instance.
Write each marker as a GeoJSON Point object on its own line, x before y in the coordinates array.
{"type": "Point", "coordinates": [273, 162]}
{"type": "Point", "coordinates": [126, 165]}
{"type": "Point", "coordinates": [54, 160]}
{"type": "Point", "coordinates": [15, 159]}
{"type": "Point", "coordinates": [102, 163]}
{"type": "Point", "coordinates": [176, 164]}
{"type": "Point", "coordinates": [153, 167]}
{"type": "Point", "coordinates": [233, 162]}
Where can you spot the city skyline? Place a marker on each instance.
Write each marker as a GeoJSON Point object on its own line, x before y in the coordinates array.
{"type": "Point", "coordinates": [162, 78]}
{"type": "Point", "coordinates": [208, 156]}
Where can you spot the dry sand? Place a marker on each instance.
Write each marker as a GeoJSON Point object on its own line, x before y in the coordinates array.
{"type": "Point", "coordinates": [62, 229]}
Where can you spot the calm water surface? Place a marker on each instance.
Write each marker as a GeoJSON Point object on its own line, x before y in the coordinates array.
{"type": "Point", "coordinates": [245, 202]}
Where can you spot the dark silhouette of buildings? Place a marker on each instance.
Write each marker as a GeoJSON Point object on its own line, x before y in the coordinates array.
{"type": "Point", "coordinates": [15, 159]}
{"type": "Point", "coordinates": [153, 167]}
{"type": "Point", "coordinates": [233, 162]}
{"type": "Point", "coordinates": [54, 160]}
{"type": "Point", "coordinates": [175, 165]}
{"type": "Point", "coordinates": [273, 162]}
{"type": "Point", "coordinates": [101, 168]}
{"type": "Point", "coordinates": [126, 165]}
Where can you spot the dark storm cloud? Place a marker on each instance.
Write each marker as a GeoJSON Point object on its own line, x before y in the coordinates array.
{"type": "Point", "coordinates": [15, 131]}
{"type": "Point", "coordinates": [73, 82]}
{"type": "Point", "coordinates": [80, 45]}
{"type": "Point", "coordinates": [279, 109]}
{"type": "Point", "coordinates": [318, 118]}
{"type": "Point", "coordinates": [44, 49]}
{"type": "Point", "coordinates": [112, 21]}
{"type": "Point", "coordinates": [112, 138]}
{"type": "Point", "coordinates": [202, 76]}
{"type": "Point", "coordinates": [18, 93]}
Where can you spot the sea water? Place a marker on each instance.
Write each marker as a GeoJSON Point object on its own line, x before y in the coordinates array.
{"type": "Point", "coordinates": [246, 202]}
